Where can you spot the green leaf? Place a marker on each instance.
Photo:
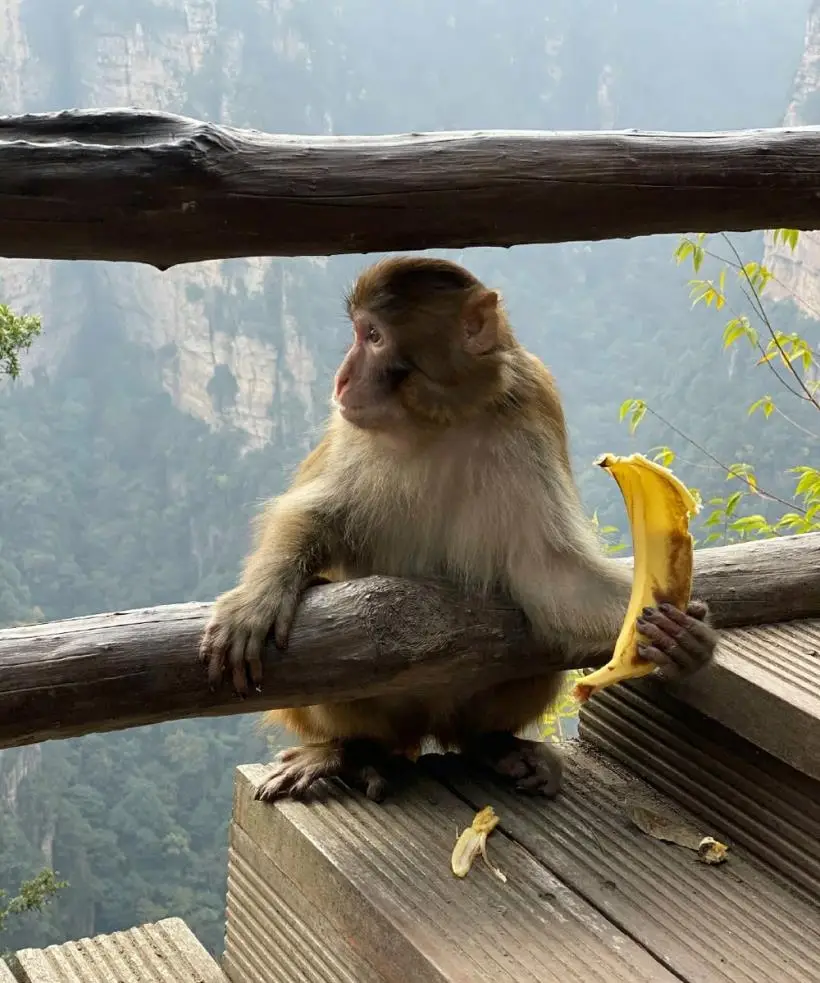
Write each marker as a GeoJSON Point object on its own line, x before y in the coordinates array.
{"type": "Point", "coordinates": [750, 523]}
{"type": "Point", "coordinates": [739, 327]}
{"type": "Point", "coordinates": [731, 502]}
{"type": "Point", "coordinates": [765, 403]}
{"type": "Point", "coordinates": [684, 250]}
{"type": "Point", "coordinates": [638, 413]}
{"type": "Point", "coordinates": [663, 455]}
{"type": "Point", "coordinates": [790, 519]}
{"type": "Point", "coordinates": [789, 237]}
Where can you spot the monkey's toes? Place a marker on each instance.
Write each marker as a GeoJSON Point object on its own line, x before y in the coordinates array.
{"type": "Point", "coordinates": [533, 771]}
{"type": "Point", "coordinates": [534, 767]}
{"type": "Point", "coordinates": [297, 769]}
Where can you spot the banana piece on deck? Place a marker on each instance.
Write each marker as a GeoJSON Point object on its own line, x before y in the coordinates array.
{"type": "Point", "coordinates": [658, 506]}
{"type": "Point", "coordinates": [474, 841]}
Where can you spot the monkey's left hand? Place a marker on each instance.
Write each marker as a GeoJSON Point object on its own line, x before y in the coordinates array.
{"type": "Point", "coordinates": [679, 643]}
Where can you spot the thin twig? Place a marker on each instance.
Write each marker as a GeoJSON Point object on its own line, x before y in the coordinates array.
{"type": "Point", "coordinates": [764, 317]}
{"type": "Point", "coordinates": [775, 279]}
{"type": "Point", "coordinates": [755, 489]}
{"type": "Point", "coordinates": [783, 382]}
{"type": "Point", "coordinates": [794, 423]}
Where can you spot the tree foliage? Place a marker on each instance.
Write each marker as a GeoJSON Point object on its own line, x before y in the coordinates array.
{"type": "Point", "coordinates": [17, 331]}
{"type": "Point", "coordinates": [792, 360]}
{"type": "Point", "coordinates": [32, 896]}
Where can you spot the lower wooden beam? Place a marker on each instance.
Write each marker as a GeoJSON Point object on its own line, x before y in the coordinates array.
{"type": "Point", "coordinates": [362, 638]}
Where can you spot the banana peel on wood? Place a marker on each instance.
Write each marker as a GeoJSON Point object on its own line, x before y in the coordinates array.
{"type": "Point", "coordinates": [658, 507]}
{"type": "Point", "coordinates": [474, 841]}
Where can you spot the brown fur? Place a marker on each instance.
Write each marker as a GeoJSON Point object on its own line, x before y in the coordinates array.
{"type": "Point", "coordinates": [515, 397]}
{"type": "Point", "coordinates": [446, 456]}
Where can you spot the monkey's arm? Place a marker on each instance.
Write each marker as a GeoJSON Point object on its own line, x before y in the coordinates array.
{"type": "Point", "coordinates": [294, 543]}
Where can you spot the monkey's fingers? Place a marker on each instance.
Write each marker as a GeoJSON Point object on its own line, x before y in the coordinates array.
{"type": "Point", "coordinates": [212, 651]}
{"type": "Point", "coordinates": [695, 640]}
{"type": "Point", "coordinates": [660, 631]}
{"type": "Point", "coordinates": [667, 668]}
{"type": "Point", "coordinates": [285, 614]}
{"type": "Point", "coordinates": [694, 626]}
{"type": "Point", "coordinates": [238, 664]}
{"type": "Point", "coordinates": [254, 646]}
{"type": "Point", "coordinates": [698, 610]}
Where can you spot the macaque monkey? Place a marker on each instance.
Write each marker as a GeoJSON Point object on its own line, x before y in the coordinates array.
{"type": "Point", "coordinates": [445, 457]}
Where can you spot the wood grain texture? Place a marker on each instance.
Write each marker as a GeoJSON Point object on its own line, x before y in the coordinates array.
{"type": "Point", "coordinates": [163, 189]}
{"type": "Point", "coordinates": [361, 638]}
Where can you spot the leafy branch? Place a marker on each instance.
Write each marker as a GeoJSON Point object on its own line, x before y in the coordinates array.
{"type": "Point", "coordinates": [32, 895]}
{"type": "Point", "coordinates": [17, 331]}
{"type": "Point", "coordinates": [791, 352]}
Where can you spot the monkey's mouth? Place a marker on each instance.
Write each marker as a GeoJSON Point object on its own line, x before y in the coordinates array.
{"type": "Point", "coordinates": [363, 415]}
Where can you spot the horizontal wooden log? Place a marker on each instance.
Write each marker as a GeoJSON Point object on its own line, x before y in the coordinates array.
{"type": "Point", "coordinates": [363, 638]}
{"type": "Point", "coordinates": [164, 189]}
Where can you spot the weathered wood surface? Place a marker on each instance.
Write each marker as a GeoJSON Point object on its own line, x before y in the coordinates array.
{"type": "Point", "coordinates": [363, 638]}
{"type": "Point", "coordinates": [588, 896]}
{"type": "Point", "coordinates": [164, 189]}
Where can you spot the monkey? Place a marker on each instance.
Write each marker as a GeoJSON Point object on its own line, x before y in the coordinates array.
{"type": "Point", "coordinates": [445, 455]}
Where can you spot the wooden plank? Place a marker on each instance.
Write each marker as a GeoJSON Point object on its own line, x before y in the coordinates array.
{"type": "Point", "coordinates": [728, 782]}
{"type": "Point", "coordinates": [765, 686]}
{"type": "Point", "coordinates": [275, 934]}
{"type": "Point", "coordinates": [152, 187]}
{"type": "Point", "coordinates": [732, 923]}
{"type": "Point", "coordinates": [380, 875]}
{"type": "Point", "coordinates": [154, 953]}
{"type": "Point", "coordinates": [362, 638]}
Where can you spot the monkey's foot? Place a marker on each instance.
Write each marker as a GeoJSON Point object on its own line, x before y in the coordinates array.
{"type": "Point", "coordinates": [360, 763]}
{"type": "Point", "coordinates": [536, 768]}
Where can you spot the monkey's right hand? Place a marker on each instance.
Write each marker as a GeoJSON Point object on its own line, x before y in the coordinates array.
{"type": "Point", "coordinates": [239, 626]}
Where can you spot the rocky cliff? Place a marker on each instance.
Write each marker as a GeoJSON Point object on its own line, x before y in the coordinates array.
{"type": "Point", "coordinates": [797, 274]}
{"type": "Point", "coordinates": [231, 340]}
{"type": "Point", "coordinates": [152, 54]}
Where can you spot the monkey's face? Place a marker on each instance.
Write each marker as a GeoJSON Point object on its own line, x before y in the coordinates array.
{"type": "Point", "coordinates": [367, 386]}
{"type": "Point", "coordinates": [430, 366]}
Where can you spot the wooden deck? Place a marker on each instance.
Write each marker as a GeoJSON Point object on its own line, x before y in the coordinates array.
{"type": "Point", "coordinates": [348, 891]}
{"type": "Point", "coordinates": [342, 890]}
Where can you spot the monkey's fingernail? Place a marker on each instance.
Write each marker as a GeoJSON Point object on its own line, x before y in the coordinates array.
{"type": "Point", "coordinates": [642, 623]}
{"type": "Point", "coordinates": [665, 607]}
{"type": "Point", "coordinates": [647, 612]}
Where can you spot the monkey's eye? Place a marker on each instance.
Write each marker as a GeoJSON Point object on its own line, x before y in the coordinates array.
{"type": "Point", "coordinates": [374, 336]}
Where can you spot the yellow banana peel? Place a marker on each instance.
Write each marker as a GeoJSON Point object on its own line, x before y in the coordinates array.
{"type": "Point", "coordinates": [474, 841]}
{"type": "Point", "coordinates": [658, 506]}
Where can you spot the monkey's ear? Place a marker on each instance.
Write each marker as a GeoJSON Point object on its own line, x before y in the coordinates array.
{"type": "Point", "coordinates": [480, 320]}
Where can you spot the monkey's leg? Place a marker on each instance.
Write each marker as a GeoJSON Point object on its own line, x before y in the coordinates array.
{"type": "Point", "coordinates": [360, 762]}
{"type": "Point", "coordinates": [489, 722]}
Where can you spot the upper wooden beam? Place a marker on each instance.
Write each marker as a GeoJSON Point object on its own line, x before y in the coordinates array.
{"type": "Point", "coordinates": [163, 189]}
{"type": "Point", "coordinates": [362, 638]}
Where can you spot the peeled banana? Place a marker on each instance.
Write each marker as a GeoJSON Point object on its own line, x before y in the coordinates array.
{"type": "Point", "coordinates": [658, 506]}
